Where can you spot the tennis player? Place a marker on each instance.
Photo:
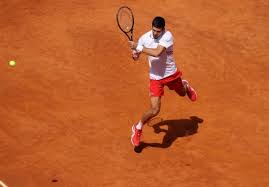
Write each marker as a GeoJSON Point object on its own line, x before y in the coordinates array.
{"type": "Point", "coordinates": [158, 45]}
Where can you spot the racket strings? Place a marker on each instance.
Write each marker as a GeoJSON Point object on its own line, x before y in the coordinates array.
{"type": "Point", "coordinates": [125, 19]}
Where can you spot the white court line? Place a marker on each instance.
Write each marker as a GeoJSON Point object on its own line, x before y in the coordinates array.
{"type": "Point", "coordinates": [2, 184]}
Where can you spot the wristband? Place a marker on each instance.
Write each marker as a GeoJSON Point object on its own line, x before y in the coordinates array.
{"type": "Point", "coordinates": [139, 48]}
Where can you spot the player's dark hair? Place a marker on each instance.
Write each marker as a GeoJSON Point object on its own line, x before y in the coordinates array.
{"type": "Point", "coordinates": [158, 22]}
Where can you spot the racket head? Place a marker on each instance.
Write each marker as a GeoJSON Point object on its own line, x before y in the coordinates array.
{"type": "Point", "coordinates": [125, 20]}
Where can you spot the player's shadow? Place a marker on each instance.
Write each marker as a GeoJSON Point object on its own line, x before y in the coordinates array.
{"type": "Point", "coordinates": [175, 128]}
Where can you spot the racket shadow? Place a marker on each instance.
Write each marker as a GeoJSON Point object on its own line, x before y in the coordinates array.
{"type": "Point", "coordinates": [175, 129]}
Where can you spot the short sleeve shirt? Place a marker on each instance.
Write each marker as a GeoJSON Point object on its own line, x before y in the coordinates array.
{"type": "Point", "coordinates": [163, 65]}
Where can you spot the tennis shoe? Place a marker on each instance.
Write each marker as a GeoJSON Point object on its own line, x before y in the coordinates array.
{"type": "Point", "coordinates": [135, 137]}
{"type": "Point", "coordinates": [190, 91]}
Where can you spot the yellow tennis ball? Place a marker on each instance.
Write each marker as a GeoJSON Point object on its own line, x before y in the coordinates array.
{"type": "Point", "coordinates": [12, 63]}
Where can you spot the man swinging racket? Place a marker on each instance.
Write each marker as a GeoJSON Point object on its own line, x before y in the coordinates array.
{"type": "Point", "coordinates": [158, 45]}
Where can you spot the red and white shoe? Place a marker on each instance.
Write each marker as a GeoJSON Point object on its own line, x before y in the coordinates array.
{"type": "Point", "coordinates": [190, 91]}
{"type": "Point", "coordinates": [136, 134]}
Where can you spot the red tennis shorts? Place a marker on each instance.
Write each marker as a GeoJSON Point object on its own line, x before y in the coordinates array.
{"type": "Point", "coordinates": [173, 82]}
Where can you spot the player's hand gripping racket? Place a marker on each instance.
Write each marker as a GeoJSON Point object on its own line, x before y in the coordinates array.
{"type": "Point", "coordinates": [125, 20]}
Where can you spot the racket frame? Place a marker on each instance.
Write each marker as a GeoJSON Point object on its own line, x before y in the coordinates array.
{"type": "Point", "coordinates": [132, 29]}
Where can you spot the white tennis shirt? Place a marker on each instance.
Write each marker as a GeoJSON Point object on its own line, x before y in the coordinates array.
{"type": "Point", "coordinates": [163, 65]}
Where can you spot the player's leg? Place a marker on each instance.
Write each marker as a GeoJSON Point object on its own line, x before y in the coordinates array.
{"type": "Point", "coordinates": [181, 90]}
{"type": "Point", "coordinates": [177, 85]}
{"type": "Point", "coordinates": [156, 92]}
{"type": "Point", "coordinates": [182, 87]}
{"type": "Point", "coordinates": [153, 111]}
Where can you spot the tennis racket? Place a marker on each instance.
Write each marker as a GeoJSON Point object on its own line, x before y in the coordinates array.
{"type": "Point", "coordinates": [125, 20]}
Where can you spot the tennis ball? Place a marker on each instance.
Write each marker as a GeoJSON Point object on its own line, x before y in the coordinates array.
{"type": "Point", "coordinates": [12, 63]}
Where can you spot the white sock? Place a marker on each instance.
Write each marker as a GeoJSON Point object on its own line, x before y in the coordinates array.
{"type": "Point", "coordinates": [139, 125]}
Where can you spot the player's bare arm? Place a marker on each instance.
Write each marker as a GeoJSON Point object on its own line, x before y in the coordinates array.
{"type": "Point", "coordinates": [149, 51]}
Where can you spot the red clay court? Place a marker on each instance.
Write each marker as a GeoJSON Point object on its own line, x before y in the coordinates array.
{"type": "Point", "coordinates": [68, 105]}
